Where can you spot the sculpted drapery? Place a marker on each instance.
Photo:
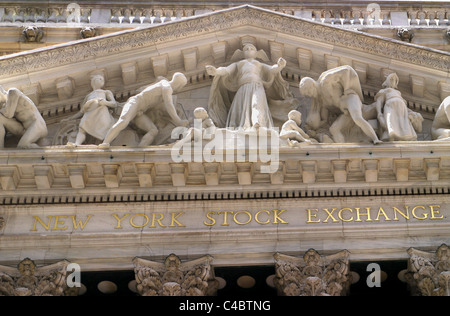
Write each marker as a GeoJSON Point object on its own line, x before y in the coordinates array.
{"type": "Point", "coordinates": [249, 93]}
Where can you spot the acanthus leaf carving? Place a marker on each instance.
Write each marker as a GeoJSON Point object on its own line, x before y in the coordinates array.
{"type": "Point", "coordinates": [313, 275]}
{"type": "Point", "coordinates": [30, 280]}
{"type": "Point", "coordinates": [174, 278]}
{"type": "Point", "coordinates": [429, 273]}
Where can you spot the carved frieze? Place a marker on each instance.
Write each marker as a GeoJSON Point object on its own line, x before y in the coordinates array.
{"type": "Point", "coordinates": [30, 280]}
{"type": "Point", "coordinates": [174, 278]}
{"type": "Point", "coordinates": [245, 15]}
{"type": "Point", "coordinates": [313, 275]}
{"type": "Point", "coordinates": [429, 273]}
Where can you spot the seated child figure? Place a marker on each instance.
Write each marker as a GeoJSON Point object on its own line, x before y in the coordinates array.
{"type": "Point", "coordinates": [205, 132]}
{"type": "Point", "coordinates": [292, 132]}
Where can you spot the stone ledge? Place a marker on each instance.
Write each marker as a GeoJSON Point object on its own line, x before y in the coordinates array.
{"type": "Point", "coordinates": [57, 175]}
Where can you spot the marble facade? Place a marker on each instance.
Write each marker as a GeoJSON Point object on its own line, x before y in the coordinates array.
{"type": "Point", "coordinates": [103, 206]}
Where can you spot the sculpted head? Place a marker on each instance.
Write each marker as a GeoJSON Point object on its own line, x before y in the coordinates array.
{"type": "Point", "coordinates": [308, 87]}
{"type": "Point", "coordinates": [391, 81]}
{"type": "Point", "coordinates": [250, 51]}
{"type": "Point", "coordinates": [178, 82]}
{"type": "Point", "coordinates": [296, 116]}
{"type": "Point", "coordinates": [200, 113]}
{"type": "Point", "coordinates": [97, 81]}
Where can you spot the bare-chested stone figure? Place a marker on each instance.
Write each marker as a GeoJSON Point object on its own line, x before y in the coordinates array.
{"type": "Point", "coordinates": [19, 107]}
{"type": "Point", "coordinates": [152, 97]}
{"type": "Point", "coordinates": [339, 90]}
{"type": "Point", "coordinates": [440, 130]}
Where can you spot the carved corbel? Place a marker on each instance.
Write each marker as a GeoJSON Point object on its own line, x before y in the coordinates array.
{"type": "Point", "coordinates": [220, 51]}
{"type": "Point", "coordinates": [245, 173]}
{"type": "Point", "coordinates": [444, 90]}
{"type": "Point", "coordinates": [277, 177]}
{"type": "Point", "coordinates": [309, 170]}
{"type": "Point", "coordinates": [276, 51]}
{"type": "Point", "coordinates": [146, 174]}
{"type": "Point", "coordinates": [113, 175]}
{"type": "Point", "coordinates": [304, 57]}
{"type": "Point", "coordinates": [313, 275]}
{"type": "Point", "coordinates": [428, 273]}
{"type": "Point", "coordinates": [401, 169]}
{"type": "Point", "coordinates": [9, 178]}
{"type": "Point", "coordinates": [432, 167]}
{"type": "Point", "coordinates": [43, 176]}
{"type": "Point", "coordinates": [179, 174]}
{"type": "Point", "coordinates": [34, 92]}
{"type": "Point", "coordinates": [175, 278]}
{"type": "Point", "coordinates": [212, 173]}
{"type": "Point", "coordinates": [361, 70]}
{"type": "Point", "coordinates": [332, 61]}
{"type": "Point", "coordinates": [129, 73]}
{"type": "Point", "coordinates": [29, 280]}
{"type": "Point", "coordinates": [160, 65]}
{"type": "Point", "coordinates": [417, 86]}
{"type": "Point", "coordinates": [190, 57]}
{"type": "Point", "coordinates": [339, 169]}
{"type": "Point", "coordinates": [78, 176]}
{"type": "Point", "coordinates": [370, 168]}
{"type": "Point", "coordinates": [65, 87]}
{"type": "Point", "coordinates": [247, 39]}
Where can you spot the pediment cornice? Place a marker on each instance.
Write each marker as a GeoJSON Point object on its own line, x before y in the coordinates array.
{"type": "Point", "coordinates": [90, 49]}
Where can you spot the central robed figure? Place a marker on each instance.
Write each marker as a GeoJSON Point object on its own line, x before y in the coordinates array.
{"type": "Point", "coordinates": [249, 93]}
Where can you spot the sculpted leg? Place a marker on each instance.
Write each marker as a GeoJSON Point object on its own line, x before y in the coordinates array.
{"type": "Point", "coordinates": [128, 114]}
{"type": "Point", "coordinates": [146, 124]}
{"type": "Point", "coordinates": [354, 107]}
{"type": "Point", "coordinates": [441, 134]}
{"type": "Point", "coordinates": [337, 127]}
{"type": "Point", "coordinates": [35, 132]}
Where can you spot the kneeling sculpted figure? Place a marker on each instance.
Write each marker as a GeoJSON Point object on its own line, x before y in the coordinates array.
{"type": "Point", "coordinates": [440, 130]}
{"type": "Point", "coordinates": [149, 98]}
{"type": "Point", "coordinates": [338, 90]}
{"type": "Point", "coordinates": [28, 121]}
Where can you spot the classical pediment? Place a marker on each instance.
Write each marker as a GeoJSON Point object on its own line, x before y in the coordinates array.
{"type": "Point", "coordinates": [56, 78]}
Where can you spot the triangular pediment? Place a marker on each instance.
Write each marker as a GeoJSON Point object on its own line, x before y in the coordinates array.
{"type": "Point", "coordinates": [57, 77]}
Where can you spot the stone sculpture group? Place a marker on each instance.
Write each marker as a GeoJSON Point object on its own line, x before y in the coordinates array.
{"type": "Point", "coordinates": [249, 94]}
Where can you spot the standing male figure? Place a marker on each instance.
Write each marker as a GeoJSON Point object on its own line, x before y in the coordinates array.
{"type": "Point", "coordinates": [151, 97]}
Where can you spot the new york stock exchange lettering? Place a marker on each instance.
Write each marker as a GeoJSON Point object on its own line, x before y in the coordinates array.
{"type": "Point", "coordinates": [242, 218]}
{"type": "Point", "coordinates": [210, 148]}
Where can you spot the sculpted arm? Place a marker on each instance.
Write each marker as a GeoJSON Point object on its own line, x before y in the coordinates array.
{"type": "Point", "coordinates": [221, 71]}
{"type": "Point", "coordinates": [167, 96]}
{"type": "Point", "coordinates": [11, 103]}
{"type": "Point", "coordinates": [110, 100]}
{"type": "Point", "coordinates": [279, 66]}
